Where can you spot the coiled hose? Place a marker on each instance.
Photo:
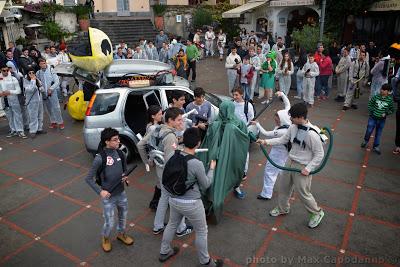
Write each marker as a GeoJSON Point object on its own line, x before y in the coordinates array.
{"type": "Point", "coordinates": [320, 167]}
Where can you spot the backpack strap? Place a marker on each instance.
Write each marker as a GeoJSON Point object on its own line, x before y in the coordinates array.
{"type": "Point", "coordinates": [187, 158]}
{"type": "Point", "coordinates": [100, 171]}
{"type": "Point", "coordinates": [312, 129]}
{"type": "Point", "coordinates": [246, 110]}
{"type": "Point", "coordinates": [283, 127]}
{"type": "Point", "coordinates": [122, 157]}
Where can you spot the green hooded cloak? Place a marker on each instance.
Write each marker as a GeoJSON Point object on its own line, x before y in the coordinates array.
{"type": "Point", "coordinates": [227, 141]}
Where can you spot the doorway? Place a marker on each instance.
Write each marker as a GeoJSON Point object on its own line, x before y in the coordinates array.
{"type": "Point", "coordinates": [123, 8]}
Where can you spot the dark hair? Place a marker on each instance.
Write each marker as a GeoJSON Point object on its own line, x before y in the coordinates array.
{"type": "Point", "coordinates": [199, 92]}
{"type": "Point", "coordinates": [107, 134]}
{"type": "Point", "coordinates": [46, 47]}
{"type": "Point", "coordinates": [191, 137]}
{"type": "Point", "coordinates": [176, 94]}
{"type": "Point", "coordinates": [246, 58]}
{"type": "Point", "coordinates": [310, 55]}
{"type": "Point", "coordinates": [325, 53]}
{"type": "Point", "coordinates": [40, 60]}
{"type": "Point", "coordinates": [238, 90]}
{"type": "Point", "coordinates": [363, 52]}
{"type": "Point", "coordinates": [153, 110]}
{"type": "Point", "coordinates": [24, 49]}
{"type": "Point", "coordinates": [298, 110]}
{"type": "Point", "coordinates": [172, 113]}
{"type": "Point", "coordinates": [259, 46]}
{"type": "Point", "coordinates": [9, 50]}
{"type": "Point", "coordinates": [386, 87]}
{"type": "Point", "coordinates": [52, 47]}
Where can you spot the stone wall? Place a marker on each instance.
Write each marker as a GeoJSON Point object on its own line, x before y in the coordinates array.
{"type": "Point", "coordinates": [178, 20]}
{"type": "Point", "coordinates": [67, 21]}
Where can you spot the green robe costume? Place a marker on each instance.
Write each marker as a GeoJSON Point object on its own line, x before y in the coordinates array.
{"type": "Point", "coordinates": [227, 141]}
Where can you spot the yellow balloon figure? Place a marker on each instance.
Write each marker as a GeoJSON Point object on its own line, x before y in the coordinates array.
{"type": "Point", "coordinates": [77, 106]}
{"type": "Point", "coordinates": [93, 54]}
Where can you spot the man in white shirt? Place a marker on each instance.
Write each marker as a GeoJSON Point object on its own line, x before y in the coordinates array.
{"type": "Point", "coordinates": [210, 36]}
{"type": "Point", "coordinates": [9, 91]}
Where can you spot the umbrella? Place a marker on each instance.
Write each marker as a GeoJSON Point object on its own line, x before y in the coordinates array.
{"type": "Point", "coordinates": [34, 25]}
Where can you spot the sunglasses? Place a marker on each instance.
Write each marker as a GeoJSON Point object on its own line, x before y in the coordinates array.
{"type": "Point", "coordinates": [31, 72]}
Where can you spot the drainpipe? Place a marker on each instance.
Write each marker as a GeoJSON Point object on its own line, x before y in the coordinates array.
{"type": "Point", "coordinates": [322, 20]}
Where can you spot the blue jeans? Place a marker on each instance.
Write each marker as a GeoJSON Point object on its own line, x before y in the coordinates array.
{"type": "Point", "coordinates": [120, 202]}
{"type": "Point", "coordinates": [323, 85]}
{"type": "Point", "coordinates": [376, 124]}
{"type": "Point", "coordinates": [299, 83]}
{"type": "Point", "coordinates": [246, 91]}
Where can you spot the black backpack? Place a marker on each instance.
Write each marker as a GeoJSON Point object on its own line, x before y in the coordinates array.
{"type": "Point", "coordinates": [100, 171]}
{"type": "Point", "coordinates": [175, 174]}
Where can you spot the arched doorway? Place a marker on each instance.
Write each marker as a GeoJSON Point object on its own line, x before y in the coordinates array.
{"type": "Point", "coordinates": [262, 25]}
{"type": "Point", "coordinates": [299, 17]}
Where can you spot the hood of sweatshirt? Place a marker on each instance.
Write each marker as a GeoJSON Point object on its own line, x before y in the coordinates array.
{"type": "Point", "coordinates": [284, 117]}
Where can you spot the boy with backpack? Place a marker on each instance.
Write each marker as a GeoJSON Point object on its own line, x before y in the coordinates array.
{"type": "Point", "coordinates": [161, 145]}
{"type": "Point", "coordinates": [306, 154]}
{"type": "Point", "coordinates": [185, 178]}
{"type": "Point", "coordinates": [279, 153]}
{"type": "Point", "coordinates": [109, 168]}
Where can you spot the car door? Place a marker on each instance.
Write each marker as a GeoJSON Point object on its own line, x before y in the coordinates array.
{"type": "Point", "coordinates": [152, 98]}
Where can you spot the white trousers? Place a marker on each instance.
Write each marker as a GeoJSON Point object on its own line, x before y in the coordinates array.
{"type": "Point", "coordinates": [279, 155]}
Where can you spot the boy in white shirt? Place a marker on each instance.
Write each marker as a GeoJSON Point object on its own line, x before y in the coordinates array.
{"type": "Point", "coordinates": [279, 153]}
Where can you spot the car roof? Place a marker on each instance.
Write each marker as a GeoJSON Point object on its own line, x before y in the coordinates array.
{"type": "Point", "coordinates": [120, 67]}
{"type": "Point", "coordinates": [150, 88]}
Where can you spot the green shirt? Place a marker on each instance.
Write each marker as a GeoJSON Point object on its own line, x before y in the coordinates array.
{"type": "Point", "coordinates": [192, 52]}
{"type": "Point", "coordinates": [380, 106]}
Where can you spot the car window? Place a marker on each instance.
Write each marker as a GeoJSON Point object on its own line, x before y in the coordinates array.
{"type": "Point", "coordinates": [188, 97]}
{"type": "Point", "coordinates": [213, 99]}
{"type": "Point", "coordinates": [152, 98]}
{"type": "Point", "coordinates": [104, 103]}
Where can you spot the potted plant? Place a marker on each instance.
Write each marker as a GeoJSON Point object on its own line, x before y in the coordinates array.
{"type": "Point", "coordinates": [159, 11]}
{"type": "Point", "coordinates": [82, 13]}
{"type": "Point", "coordinates": [53, 31]}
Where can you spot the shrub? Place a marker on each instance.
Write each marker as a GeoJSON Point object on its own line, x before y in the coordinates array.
{"type": "Point", "coordinates": [53, 31]}
{"type": "Point", "coordinates": [202, 17]}
{"type": "Point", "coordinates": [159, 9]}
{"type": "Point", "coordinates": [308, 38]}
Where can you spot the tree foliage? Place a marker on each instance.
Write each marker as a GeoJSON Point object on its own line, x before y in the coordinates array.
{"type": "Point", "coordinates": [338, 10]}
{"type": "Point", "coordinates": [202, 17]}
{"type": "Point", "coordinates": [53, 31]}
{"type": "Point", "coordinates": [308, 38]}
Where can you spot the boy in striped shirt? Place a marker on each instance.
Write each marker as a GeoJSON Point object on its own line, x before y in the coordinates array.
{"type": "Point", "coordinates": [378, 107]}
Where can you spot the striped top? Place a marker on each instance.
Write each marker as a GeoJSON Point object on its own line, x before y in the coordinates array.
{"type": "Point", "coordinates": [380, 106]}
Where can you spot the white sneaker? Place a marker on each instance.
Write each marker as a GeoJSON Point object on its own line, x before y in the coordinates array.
{"type": "Point", "coordinates": [297, 97]}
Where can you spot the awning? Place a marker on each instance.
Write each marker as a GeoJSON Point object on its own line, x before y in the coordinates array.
{"type": "Point", "coordinates": [236, 12]}
{"type": "Point", "coordinates": [2, 4]}
{"type": "Point", "coordinates": [387, 5]}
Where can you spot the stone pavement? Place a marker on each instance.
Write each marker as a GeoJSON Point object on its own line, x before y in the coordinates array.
{"type": "Point", "coordinates": [50, 217]}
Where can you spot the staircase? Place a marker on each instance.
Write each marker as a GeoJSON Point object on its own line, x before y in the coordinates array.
{"type": "Point", "coordinates": [129, 30]}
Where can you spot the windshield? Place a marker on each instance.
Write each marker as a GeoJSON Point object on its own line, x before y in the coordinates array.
{"type": "Point", "coordinates": [152, 80]}
{"type": "Point", "coordinates": [213, 99]}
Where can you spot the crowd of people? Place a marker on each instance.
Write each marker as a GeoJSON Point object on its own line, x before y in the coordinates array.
{"type": "Point", "coordinates": [28, 86]}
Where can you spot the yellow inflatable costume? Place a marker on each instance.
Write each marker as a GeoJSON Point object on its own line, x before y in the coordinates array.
{"type": "Point", "coordinates": [77, 106]}
{"type": "Point", "coordinates": [91, 52]}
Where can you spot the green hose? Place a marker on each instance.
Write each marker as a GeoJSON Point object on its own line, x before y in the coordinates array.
{"type": "Point", "coordinates": [321, 166]}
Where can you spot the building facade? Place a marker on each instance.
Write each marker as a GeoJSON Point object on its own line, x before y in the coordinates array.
{"type": "Point", "coordinates": [276, 17]}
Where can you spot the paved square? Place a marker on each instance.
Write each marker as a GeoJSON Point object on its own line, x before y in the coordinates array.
{"type": "Point", "coordinates": [50, 217]}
